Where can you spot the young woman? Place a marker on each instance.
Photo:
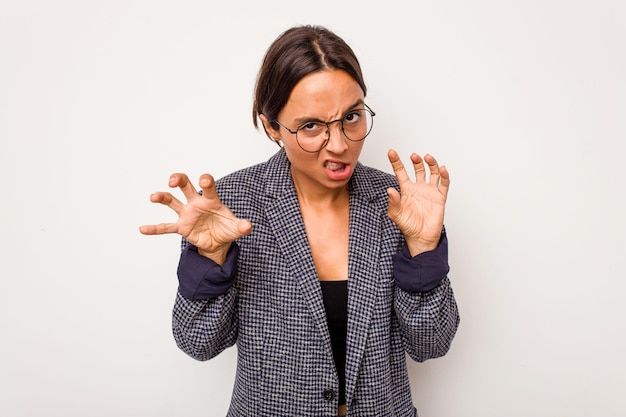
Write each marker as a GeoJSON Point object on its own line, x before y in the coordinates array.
{"type": "Point", "coordinates": [324, 272]}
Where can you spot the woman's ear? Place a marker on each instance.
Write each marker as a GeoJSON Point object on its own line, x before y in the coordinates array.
{"type": "Point", "coordinates": [273, 134]}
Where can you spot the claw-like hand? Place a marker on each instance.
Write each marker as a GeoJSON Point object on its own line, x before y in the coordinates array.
{"type": "Point", "coordinates": [204, 221]}
{"type": "Point", "coordinates": [418, 209]}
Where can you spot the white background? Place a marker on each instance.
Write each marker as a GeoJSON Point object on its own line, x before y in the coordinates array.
{"type": "Point", "coordinates": [101, 101]}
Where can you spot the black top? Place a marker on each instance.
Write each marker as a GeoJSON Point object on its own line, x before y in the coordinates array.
{"type": "Point", "coordinates": [335, 294]}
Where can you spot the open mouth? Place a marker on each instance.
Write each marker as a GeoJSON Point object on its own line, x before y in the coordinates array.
{"type": "Point", "coordinates": [337, 171]}
{"type": "Point", "coordinates": [335, 166]}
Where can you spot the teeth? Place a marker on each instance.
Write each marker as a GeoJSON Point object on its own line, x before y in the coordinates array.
{"type": "Point", "coordinates": [334, 165]}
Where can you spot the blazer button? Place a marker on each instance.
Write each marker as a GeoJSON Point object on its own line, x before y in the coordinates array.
{"type": "Point", "coordinates": [329, 394]}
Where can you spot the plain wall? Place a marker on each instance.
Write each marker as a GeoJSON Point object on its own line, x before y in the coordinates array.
{"type": "Point", "coordinates": [523, 101]}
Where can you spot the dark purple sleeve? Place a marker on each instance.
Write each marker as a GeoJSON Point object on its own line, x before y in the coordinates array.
{"type": "Point", "coordinates": [423, 272]}
{"type": "Point", "coordinates": [199, 278]}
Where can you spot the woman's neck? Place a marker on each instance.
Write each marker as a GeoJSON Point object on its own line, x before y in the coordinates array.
{"type": "Point", "coordinates": [315, 195]}
{"type": "Point", "coordinates": [321, 197]}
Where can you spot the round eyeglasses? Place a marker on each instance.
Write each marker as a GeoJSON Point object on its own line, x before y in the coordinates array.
{"type": "Point", "coordinates": [313, 135]}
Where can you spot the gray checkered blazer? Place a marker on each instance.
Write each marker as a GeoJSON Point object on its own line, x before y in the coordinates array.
{"type": "Point", "coordinates": [275, 314]}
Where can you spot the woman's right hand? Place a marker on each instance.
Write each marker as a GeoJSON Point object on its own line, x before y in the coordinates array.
{"type": "Point", "coordinates": [204, 221]}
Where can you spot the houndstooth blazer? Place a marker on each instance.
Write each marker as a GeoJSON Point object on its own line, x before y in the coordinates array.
{"type": "Point", "coordinates": [275, 314]}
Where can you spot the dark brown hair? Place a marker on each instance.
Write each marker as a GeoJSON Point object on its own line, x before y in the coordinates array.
{"type": "Point", "coordinates": [297, 52]}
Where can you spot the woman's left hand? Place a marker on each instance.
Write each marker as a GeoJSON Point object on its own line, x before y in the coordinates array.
{"type": "Point", "coordinates": [418, 209]}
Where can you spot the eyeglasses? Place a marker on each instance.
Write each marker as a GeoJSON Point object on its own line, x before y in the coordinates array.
{"type": "Point", "coordinates": [313, 135]}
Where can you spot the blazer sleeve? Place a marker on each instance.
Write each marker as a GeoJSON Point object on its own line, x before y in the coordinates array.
{"type": "Point", "coordinates": [204, 320]}
{"type": "Point", "coordinates": [424, 302]}
{"type": "Point", "coordinates": [204, 328]}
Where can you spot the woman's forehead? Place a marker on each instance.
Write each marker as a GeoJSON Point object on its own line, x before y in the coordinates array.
{"type": "Point", "coordinates": [323, 94]}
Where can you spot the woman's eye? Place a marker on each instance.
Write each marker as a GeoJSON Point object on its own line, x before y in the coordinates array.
{"type": "Point", "coordinates": [310, 127]}
{"type": "Point", "coordinates": [352, 117]}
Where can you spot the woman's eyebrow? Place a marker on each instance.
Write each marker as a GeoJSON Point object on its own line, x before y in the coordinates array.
{"type": "Point", "coordinates": [302, 120]}
{"type": "Point", "coordinates": [358, 103]}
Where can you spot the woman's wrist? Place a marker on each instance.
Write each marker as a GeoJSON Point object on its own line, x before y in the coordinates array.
{"type": "Point", "coordinates": [418, 246]}
{"type": "Point", "coordinates": [218, 255]}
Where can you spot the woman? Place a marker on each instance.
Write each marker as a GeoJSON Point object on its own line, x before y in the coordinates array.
{"type": "Point", "coordinates": [323, 271]}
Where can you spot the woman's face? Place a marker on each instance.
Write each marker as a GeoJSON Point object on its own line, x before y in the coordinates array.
{"type": "Point", "coordinates": [325, 96]}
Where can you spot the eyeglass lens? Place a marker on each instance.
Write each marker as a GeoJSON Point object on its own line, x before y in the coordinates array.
{"type": "Point", "coordinates": [355, 125]}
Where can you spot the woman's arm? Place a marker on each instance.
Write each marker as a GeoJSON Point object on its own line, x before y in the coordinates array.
{"type": "Point", "coordinates": [205, 314]}
{"type": "Point", "coordinates": [423, 300]}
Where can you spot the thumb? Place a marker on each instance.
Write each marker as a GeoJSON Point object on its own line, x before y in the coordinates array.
{"type": "Point", "coordinates": [244, 227]}
{"type": "Point", "coordinates": [394, 199]}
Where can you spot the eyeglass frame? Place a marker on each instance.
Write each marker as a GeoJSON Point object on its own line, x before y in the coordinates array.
{"type": "Point", "coordinates": [367, 109]}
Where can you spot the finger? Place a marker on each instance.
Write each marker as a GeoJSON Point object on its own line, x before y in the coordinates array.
{"type": "Point", "coordinates": [433, 167]}
{"type": "Point", "coordinates": [418, 166]}
{"type": "Point", "coordinates": [444, 184]}
{"type": "Point", "coordinates": [182, 181]}
{"type": "Point", "coordinates": [398, 166]}
{"type": "Point", "coordinates": [159, 229]}
{"type": "Point", "coordinates": [207, 184]}
{"type": "Point", "coordinates": [168, 200]}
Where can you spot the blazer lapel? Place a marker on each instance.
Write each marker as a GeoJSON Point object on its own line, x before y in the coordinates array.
{"type": "Point", "coordinates": [365, 234]}
{"type": "Point", "coordinates": [284, 217]}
